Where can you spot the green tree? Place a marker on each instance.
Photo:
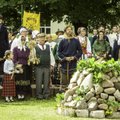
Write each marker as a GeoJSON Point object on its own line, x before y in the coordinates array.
{"type": "Point", "coordinates": [79, 12]}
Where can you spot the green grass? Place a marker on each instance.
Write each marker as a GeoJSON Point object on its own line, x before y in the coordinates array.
{"type": "Point", "coordinates": [32, 110]}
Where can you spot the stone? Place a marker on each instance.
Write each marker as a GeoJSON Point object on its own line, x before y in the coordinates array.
{"type": "Point", "coordinates": [92, 99]}
{"type": "Point", "coordinates": [103, 106]}
{"type": "Point", "coordinates": [60, 110]}
{"type": "Point", "coordinates": [111, 98]}
{"type": "Point", "coordinates": [114, 79]}
{"type": "Point", "coordinates": [110, 90]}
{"type": "Point", "coordinates": [66, 104]}
{"type": "Point", "coordinates": [75, 77]}
{"type": "Point", "coordinates": [69, 112]}
{"type": "Point", "coordinates": [72, 85]}
{"type": "Point", "coordinates": [81, 104]}
{"type": "Point", "coordinates": [117, 95]}
{"type": "Point", "coordinates": [117, 85]}
{"type": "Point", "coordinates": [104, 96]}
{"type": "Point", "coordinates": [92, 105]}
{"type": "Point", "coordinates": [82, 113]}
{"type": "Point", "coordinates": [80, 79]}
{"type": "Point", "coordinates": [69, 99]}
{"type": "Point", "coordinates": [75, 95]}
{"type": "Point", "coordinates": [87, 83]}
{"type": "Point", "coordinates": [115, 115]}
{"type": "Point", "coordinates": [98, 89]}
{"type": "Point", "coordinates": [110, 74]}
{"type": "Point", "coordinates": [118, 78]}
{"type": "Point", "coordinates": [72, 104]}
{"type": "Point", "coordinates": [92, 90]}
{"type": "Point", "coordinates": [107, 83]}
{"type": "Point", "coordinates": [100, 100]}
{"type": "Point", "coordinates": [89, 95]}
{"type": "Point", "coordinates": [97, 114]}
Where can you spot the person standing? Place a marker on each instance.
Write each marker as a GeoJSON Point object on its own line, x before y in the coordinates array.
{"type": "Point", "coordinates": [20, 56]}
{"type": "Point", "coordinates": [42, 70]}
{"type": "Point", "coordinates": [69, 52]}
{"type": "Point", "coordinates": [85, 43]}
{"type": "Point", "coordinates": [8, 90]}
{"type": "Point", "coordinates": [4, 43]}
{"type": "Point", "coordinates": [101, 47]}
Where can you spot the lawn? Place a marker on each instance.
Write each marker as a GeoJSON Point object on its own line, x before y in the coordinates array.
{"type": "Point", "coordinates": [32, 109]}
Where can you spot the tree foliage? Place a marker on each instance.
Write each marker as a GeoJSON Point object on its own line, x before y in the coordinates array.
{"type": "Point", "coordinates": [79, 12]}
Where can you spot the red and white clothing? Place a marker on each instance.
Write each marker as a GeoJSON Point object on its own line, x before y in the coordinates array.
{"type": "Point", "coordinates": [86, 46]}
{"type": "Point", "coordinates": [8, 80]}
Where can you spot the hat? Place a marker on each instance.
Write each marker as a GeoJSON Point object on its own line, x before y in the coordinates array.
{"type": "Point", "coordinates": [41, 35]}
{"type": "Point", "coordinates": [34, 33]}
{"type": "Point", "coordinates": [23, 30]}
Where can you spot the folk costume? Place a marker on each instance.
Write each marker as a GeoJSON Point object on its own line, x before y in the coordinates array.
{"type": "Point", "coordinates": [21, 54]}
{"type": "Point", "coordinates": [101, 47]}
{"type": "Point", "coordinates": [68, 47]}
{"type": "Point", "coordinates": [8, 80]}
{"type": "Point", "coordinates": [86, 46]}
{"type": "Point", "coordinates": [42, 70]}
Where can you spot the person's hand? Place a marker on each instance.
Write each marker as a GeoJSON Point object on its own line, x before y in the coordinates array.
{"type": "Point", "coordinates": [68, 59]}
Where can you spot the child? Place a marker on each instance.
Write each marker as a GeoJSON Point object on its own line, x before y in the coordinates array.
{"type": "Point", "coordinates": [8, 81]}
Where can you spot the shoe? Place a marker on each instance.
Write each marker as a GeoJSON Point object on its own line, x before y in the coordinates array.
{"type": "Point", "coordinates": [11, 99]}
{"type": "Point", "coordinates": [22, 96]}
{"type": "Point", "coordinates": [7, 99]}
{"type": "Point", "coordinates": [19, 97]}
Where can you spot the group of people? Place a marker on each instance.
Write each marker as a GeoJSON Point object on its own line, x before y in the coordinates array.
{"type": "Point", "coordinates": [27, 50]}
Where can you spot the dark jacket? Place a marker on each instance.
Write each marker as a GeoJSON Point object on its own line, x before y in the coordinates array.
{"type": "Point", "coordinates": [115, 51]}
{"type": "Point", "coordinates": [4, 44]}
{"type": "Point", "coordinates": [68, 48]}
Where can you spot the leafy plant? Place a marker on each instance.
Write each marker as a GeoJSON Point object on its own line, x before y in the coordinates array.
{"type": "Point", "coordinates": [99, 68]}
{"type": "Point", "coordinates": [59, 97]}
{"type": "Point", "coordinates": [113, 105]}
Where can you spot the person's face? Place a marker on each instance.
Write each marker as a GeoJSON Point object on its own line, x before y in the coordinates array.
{"type": "Point", "coordinates": [11, 55]}
{"type": "Point", "coordinates": [41, 40]}
{"type": "Point", "coordinates": [69, 31]}
{"type": "Point", "coordinates": [94, 32]}
{"type": "Point", "coordinates": [101, 29]}
{"type": "Point", "coordinates": [24, 33]}
{"type": "Point", "coordinates": [101, 36]}
{"type": "Point", "coordinates": [114, 29]}
{"type": "Point", "coordinates": [49, 38]}
{"type": "Point", "coordinates": [23, 40]}
{"type": "Point", "coordinates": [83, 33]}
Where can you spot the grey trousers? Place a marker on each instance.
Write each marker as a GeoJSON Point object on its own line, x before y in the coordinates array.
{"type": "Point", "coordinates": [42, 76]}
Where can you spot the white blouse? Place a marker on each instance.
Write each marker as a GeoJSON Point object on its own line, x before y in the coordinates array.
{"type": "Point", "coordinates": [8, 66]}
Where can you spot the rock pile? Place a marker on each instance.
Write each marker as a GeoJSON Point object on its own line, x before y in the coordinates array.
{"type": "Point", "coordinates": [87, 98]}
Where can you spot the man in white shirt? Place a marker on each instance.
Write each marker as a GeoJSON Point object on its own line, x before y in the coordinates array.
{"type": "Point", "coordinates": [42, 70]}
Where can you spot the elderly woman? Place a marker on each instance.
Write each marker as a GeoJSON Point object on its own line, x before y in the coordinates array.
{"type": "Point", "coordinates": [101, 47]}
{"type": "Point", "coordinates": [20, 56]}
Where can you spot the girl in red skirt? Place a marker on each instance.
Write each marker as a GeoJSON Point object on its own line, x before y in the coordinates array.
{"type": "Point", "coordinates": [9, 90]}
